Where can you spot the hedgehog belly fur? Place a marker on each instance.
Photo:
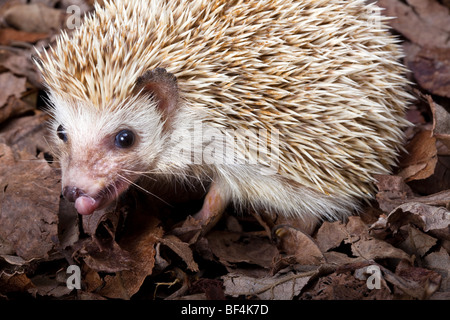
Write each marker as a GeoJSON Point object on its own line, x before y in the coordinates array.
{"type": "Point", "coordinates": [323, 74]}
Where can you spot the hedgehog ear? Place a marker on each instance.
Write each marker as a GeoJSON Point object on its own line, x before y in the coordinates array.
{"type": "Point", "coordinates": [162, 85]}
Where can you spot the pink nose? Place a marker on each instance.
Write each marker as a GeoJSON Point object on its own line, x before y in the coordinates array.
{"type": "Point", "coordinates": [72, 193]}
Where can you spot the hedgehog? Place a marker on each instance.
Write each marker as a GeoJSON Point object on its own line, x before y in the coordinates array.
{"type": "Point", "coordinates": [288, 107]}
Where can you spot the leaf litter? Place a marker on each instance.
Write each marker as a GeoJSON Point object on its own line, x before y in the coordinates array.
{"type": "Point", "coordinates": [142, 250]}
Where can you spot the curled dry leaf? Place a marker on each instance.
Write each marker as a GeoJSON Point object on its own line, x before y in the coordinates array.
{"type": "Point", "coordinates": [367, 247]}
{"type": "Point", "coordinates": [421, 157]}
{"type": "Point", "coordinates": [299, 244]}
{"type": "Point", "coordinates": [181, 249]}
{"type": "Point", "coordinates": [424, 216]}
{"type": "Point", "coordinates": [441, 121]}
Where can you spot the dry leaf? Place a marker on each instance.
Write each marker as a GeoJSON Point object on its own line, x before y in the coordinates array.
{"type": "Point", "coordinates": [441, 120]}
{"type": "Point", "coordinates": [10, 85]}
{"type": "Point", "coordinates": [330, 235]}
{"type": "Point", "coordinates": [278, 287]}
{"type": "Point", "coordinates": [393, 191]}
{"type": "Point", "coordinates": [374, 249]}
{"type": "Point", "coordinates": [140, 244]}
{"type": "Point", "coordinates": [26, 134]}
{"type": "Point", "coordinates": [34, 18]}
{"type": "Point", "coordinates": [424, 32]}
{"type": "Point", "coordinates": [231, 248]}
{"type": "Point", "coordinates": [417, 242]}
{"type": "Point", "coordinates": [181, 249]}
{"type": "Point", "coordinates": [417, 282]}
{"type": "Point", "coordinates": [299, 244]}
{"type": "Point", "coordinates": [49, 286]}
{"type": "Point", "coordinates": [8, 36]}
{"type": "Point", "coordinates": [15, 282]}
{"type": "Point", "coordinates": [344, 286]}
{"type": "Point", "coordinates": [28, 204]}
{"type": "Point", "coordinates": [421, 158]}
{"type": "Point", "coordinates": [423, 216]}
{"type": "Point", "coordinates": [212, 288]}
{"type": "Point", "coordinates": [440, 262]}
{"type": "Point", "coordinates": [13, 107]}
{"type": "Point", "coordinates": [20, 63]}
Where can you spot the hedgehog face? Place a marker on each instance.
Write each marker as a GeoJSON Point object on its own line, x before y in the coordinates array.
{"type": "Point", "coordinates": [101, 152]}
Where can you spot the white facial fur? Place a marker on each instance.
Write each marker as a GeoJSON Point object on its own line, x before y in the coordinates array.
{"type": "Point", "coordinates": [89, 159]}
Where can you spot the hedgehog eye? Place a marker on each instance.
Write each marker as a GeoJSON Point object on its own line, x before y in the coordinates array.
{"type": "Point", "coordinates": [124, 139]}
{"type": "Point", "coordinates": [61, 133]}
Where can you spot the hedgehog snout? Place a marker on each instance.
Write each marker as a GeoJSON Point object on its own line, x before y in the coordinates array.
{"type": "Point", "coordinates": [72, 193]}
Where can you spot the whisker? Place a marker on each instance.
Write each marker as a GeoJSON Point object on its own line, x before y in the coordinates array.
{"type": "Point", "coordinates": [142, 189]}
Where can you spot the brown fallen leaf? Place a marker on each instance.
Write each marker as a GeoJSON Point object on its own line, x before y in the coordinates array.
{"type": "Point", "coordinates": [181, 249]}
{"type": "Point", "coordinates": [426, 32]}
{"type": "Point", "coordinates": [232, 248]}
{"type": "Point", "coordinates": [20, 63]}
{"type": "Point", "coordinates": [15, 282]}
{"type": "Point", "coordinates": [27, 134]}
{"type": "Point", "coordinates": [421, 157]}
{"type": "Point", "coordinates": [431, 68]}
{"type": "Point", "coordinates": [34, 18]}
{"type": "Point", "coordinates": [45, 285]}
{"type": "Point", "coordinates": [139, 242]}
{"type": "Point", "coordinates": [340, 259]}
{"type": "Point", "coordinates": [393, 191]}
{"type": "Point", "coordinates": [28, 204]}
{"type": "Point", "coordinates": [278, 287]}
{"type": "Point", "coordinates": [375, 249]}
{"type": "Point", "coordinates": [441, 121]}
{"type": "Point", "coordinates": [417, 243]}
{"type": "Point", "coordinates": [440, 263]}
{"type": "Point", "coordinates": [421, 215]}
{"type": "Point", "coordinates": [417, 282]}
{"type": "Point", "coordinates": [344, 286]}
{"type": "Point", "coordinates": [212, 288]}
{"type": "Point", "coordinates": [14, 107]}
{"type": "Point", "coordinates": [330, 235]}
{"type": "Point", "coordinates": [10, 85]}
{"type": "Point", "coordinates": [8, 36]}
{"type": "Point", "coordinates": [437, 199]}
{"type": "Point", "coordinates": [297, 243]}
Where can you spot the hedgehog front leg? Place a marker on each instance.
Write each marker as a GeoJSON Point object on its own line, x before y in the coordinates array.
{"type": "Point", "coordinates": [213, 207]}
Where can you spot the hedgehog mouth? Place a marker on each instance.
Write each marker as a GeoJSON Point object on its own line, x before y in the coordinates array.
{"type": "Point", "coordinates": [86, 204]}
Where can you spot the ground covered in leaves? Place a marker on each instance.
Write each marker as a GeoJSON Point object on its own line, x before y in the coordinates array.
{"type": "Point", "coordinates": [398, 248]}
